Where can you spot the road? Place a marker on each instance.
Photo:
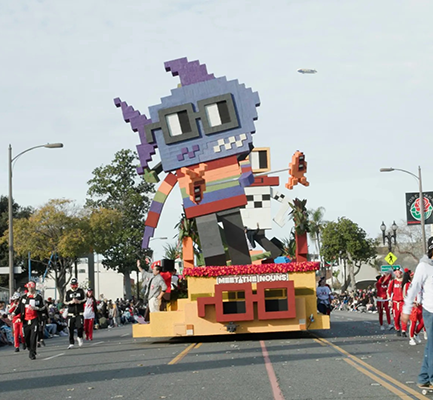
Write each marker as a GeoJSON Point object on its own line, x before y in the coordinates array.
{"type": "Point", "coordinates": [353, 360]}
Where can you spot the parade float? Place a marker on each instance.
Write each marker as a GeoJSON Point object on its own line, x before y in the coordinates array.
{"type": "Point", "coordinates": [203, 132]}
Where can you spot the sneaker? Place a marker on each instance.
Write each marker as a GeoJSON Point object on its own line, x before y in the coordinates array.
{"type": "Point", "coordinates": [426, 385]}
{"type": "Point", "coordinates": [382, 328]}
{"type": "Point", "coordinates": [412, 342]}
{"type": "Point", "coordinates": [425, 335]}
{"type": "Point", "coordinates": [24, 346]}
{"type": "Point", "coordinates": [403, 333]}
{"type": "Point", "coordinates": [17, 349]}
{"type": "Point", "coordinates": [398, 333]}
{"type": "Point", "coordinates": [71, 346]}
{"type": "Point", "coordinates": [80, 342]}
{"type": "Point", "coordinates": [32, 356]}
{"type": "Point", "coordinates": [42, 343]}
{"type": "Point", "coordinates": [390, 327]}
{"type": "Point", "coordinates": [39, 344]}
{"type": "Point", "coordinates": [417, 339]}
{"type": "Point", "coordinates": [55, 335]}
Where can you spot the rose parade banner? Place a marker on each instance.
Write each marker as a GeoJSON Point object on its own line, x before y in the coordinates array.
{"type": "Point", "coordinates": [413, 208]}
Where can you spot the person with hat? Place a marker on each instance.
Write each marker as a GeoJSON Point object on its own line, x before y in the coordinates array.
{"type": "Point", "coordinates": [395, 294]}
{"type": "Point", "coordinates": [90, 311]}
{"type": "Point", "coordinates": [17, 324]}
{"type": "Point", "coordinates": [382, 302]}
{"type": "Point", "coordinates": [422, 282]}
{"type": "Point", "coordinates": [75, 299]}
{"type": "Point", "coordinates": [29, 313]}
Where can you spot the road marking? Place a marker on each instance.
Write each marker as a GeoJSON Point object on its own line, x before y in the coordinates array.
{"type": "Point", "coordinates": [125, 334]}
{"type": "Point", "coordinates": [50, 358]}
{"type": "Point", "coordinates": [378, 380]}
{"type": "Point", "coordinates": [271, 373]}
{"type": "Point", "coordinates": [198, 345]}
{"type": "Point", "coordinates": [318, 341]}
{"type": "Point", "coordinates": [182, 354]}
{"type": "Point", "coordinates": [94, 344]}
{"type": "Point", "coordinates": [376, 371]}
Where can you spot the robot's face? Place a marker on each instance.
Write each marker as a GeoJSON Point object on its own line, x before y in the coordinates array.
{"type": "Point", "coordinates": [203, 121]}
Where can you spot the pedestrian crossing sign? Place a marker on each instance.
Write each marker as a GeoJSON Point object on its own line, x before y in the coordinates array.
{"type": "Point", "coordinates": [390, 258]}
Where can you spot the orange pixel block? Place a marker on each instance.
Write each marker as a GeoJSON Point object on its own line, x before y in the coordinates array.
{"type": "Point", "coordinates": [298, 168]}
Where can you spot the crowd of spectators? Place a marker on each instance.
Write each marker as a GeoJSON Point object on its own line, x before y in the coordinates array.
{"type": "Point", "coordinates": [359, 300]}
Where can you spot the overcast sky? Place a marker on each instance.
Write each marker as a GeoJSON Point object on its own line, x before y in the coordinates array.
{"type": "Point", "coordinates": [369, 106]}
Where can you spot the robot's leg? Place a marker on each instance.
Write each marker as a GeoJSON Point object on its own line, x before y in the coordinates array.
{"type": "Point", "coordinates": [235, 236]}
{"type": "Point", "coordinates": [267, 244]}
{"type": "Point", "coordinates": [210, 240]}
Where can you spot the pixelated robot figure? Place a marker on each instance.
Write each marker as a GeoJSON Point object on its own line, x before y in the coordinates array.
{"type": "Point", "coordinates": [203, 131]}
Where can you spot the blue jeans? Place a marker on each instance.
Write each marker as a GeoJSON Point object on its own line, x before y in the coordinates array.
{"type": "Point", "coordinates": [426, 373]}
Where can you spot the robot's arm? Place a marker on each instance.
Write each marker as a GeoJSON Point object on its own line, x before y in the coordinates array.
{"type": "Point", "coordinates": [285, 206]}
{"type": "Point", "coordinates": [156, 208]}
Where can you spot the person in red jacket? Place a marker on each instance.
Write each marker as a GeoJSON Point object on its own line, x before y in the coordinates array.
{"type": "Point", "coordinates": [17, 326]}
{"type": "Point", "coordinates": [382, 299]}
{"type": "Point", "coordinates": [395, 293]}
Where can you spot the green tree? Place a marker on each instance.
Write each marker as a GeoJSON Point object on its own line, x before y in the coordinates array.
{"type": "Point", "coordinates": [316, 225]}
{"type": "Point", "coordinates": [299, 214]}
{"type": "Point", "coordinates": [289, 245]}
{"type": "Point", "coordinates": [344, 240]}
{"type": "Point", "coordinates": [17, 213]}
{"type": "Point", "coordinates": [55, 235]}
{"type": "Point", "coordinates": [118, 187]}
{"type": "Point", "coordinates": [171, 251]}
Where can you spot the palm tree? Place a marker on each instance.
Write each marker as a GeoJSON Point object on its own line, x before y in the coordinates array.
{"type": "Point", "coordinates": [316, 224]}
{"type": "Point", "coordinates": [171, 251]}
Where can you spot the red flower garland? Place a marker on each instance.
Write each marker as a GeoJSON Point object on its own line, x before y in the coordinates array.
{"type": "Point", "coordinates": [252, 269]}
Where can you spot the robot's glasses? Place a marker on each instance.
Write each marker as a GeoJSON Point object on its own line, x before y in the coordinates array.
{"type": "Point", "coordinates": [217, 114]}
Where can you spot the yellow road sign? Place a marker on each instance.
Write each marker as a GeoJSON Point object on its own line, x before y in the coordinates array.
{"type": "Point", "coordinates": [390, 258]}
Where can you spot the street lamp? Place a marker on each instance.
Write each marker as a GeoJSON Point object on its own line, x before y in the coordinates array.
{"type": "Point", "coordinates": [389, 236]}
{"type": "Point", "coordinates": [421, 199]}
{"type": "Point", "coordinates": [11, 235]}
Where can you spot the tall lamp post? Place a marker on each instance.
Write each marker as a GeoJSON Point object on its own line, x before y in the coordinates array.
{"type": "Point", "coordinates": [10, 215]}
{"type": "Point", "coordinates": [389, 236]}
{"type": "Point", "coordinates": [421, 199]}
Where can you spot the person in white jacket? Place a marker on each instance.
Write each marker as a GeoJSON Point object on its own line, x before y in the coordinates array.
{"type": "Point", "coordinates": [423, 281]}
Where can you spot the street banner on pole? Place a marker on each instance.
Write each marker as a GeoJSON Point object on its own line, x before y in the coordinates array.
{"type": "Point", "coordinates": [413, 208]}
{"type": "Point", "coordinates": [385, 268]}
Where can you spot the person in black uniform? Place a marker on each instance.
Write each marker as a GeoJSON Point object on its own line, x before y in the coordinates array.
{"type": "Point", "coordinates": [29, 311]}
{"type": "Point", "coordinates": [75, 299]}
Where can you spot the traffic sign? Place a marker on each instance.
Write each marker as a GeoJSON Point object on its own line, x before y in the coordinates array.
{"type": "Point", "coordinates": [385, 268]}
{"type": "Point", "coordinates": [390, 258]}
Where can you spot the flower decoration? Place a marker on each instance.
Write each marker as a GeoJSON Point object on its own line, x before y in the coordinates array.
{"type": "Point", "coordinates": [251, 269]}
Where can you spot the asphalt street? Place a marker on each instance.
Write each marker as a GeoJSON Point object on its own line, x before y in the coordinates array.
{"type": "Point", "coordinates": [352, 360]}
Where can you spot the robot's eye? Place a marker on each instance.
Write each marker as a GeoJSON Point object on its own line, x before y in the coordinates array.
{"type": "Point", "coordinates": [178, 123]}
{"type": "Point", "coordinates": [218, 114]}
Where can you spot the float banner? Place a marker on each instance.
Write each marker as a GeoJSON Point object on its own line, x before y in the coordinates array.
{"type": "Point", "coordinates": [252, 278]}
{"type": "Point", "coordinates": [413, 208]}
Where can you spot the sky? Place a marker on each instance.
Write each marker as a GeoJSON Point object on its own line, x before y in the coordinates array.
{"type": "Point", "coordinates": [368, 106]}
